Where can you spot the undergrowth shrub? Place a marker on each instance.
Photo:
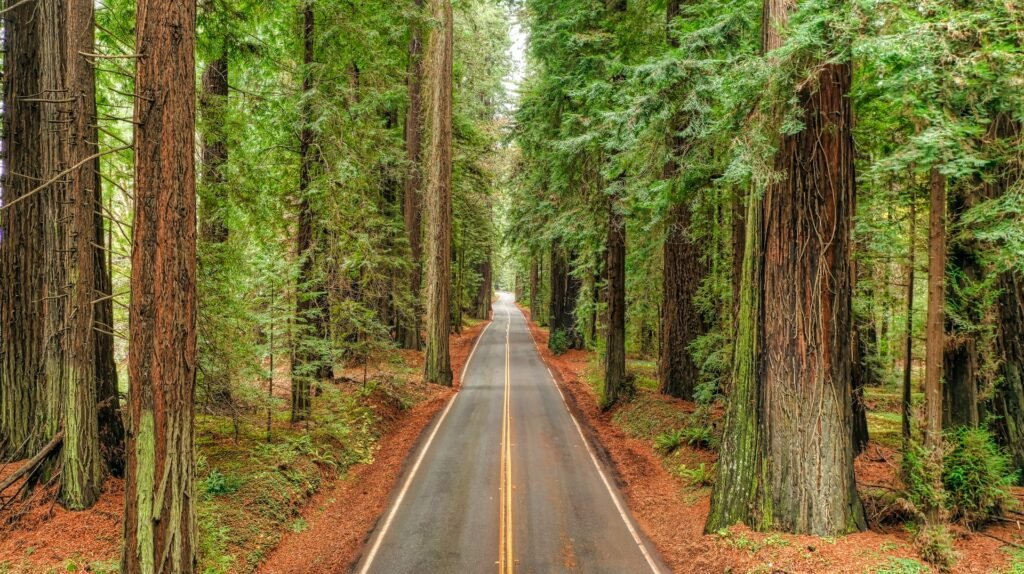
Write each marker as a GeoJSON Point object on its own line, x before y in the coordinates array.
{"type": "Point", "coordinates": [977, 476]}
{"type": "Point", "coordinates": [559, 342]}
{"type": "Point", "coordinates": [935, 544]}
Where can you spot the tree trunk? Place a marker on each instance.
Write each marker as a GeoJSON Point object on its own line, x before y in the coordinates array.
{"type": "Point", "coordinates": [409, 334]}
{"type": "Point", "coordinates": [863, 376]}
{"type": "Point", "coordinates": [907, 406]}
{"type": "Point", "coordinates": [936, 312]}
{"type": "Point", "coordinates": [565, 290]}
{"type": "Point", "coordinates": [310, 362]}
{"type": "Point", "coordinates": [482, 304]}
{"type": "Point", "coordinates": [808, 222]}
{"type": "Point", "coordinates": [935, 335]}
{"type": "Point", "coordinates": [736, 495]}
{"type": "Point", "coordinates": [22, 309]}
{"type": "Point", "coordinates": [681, 321]}
{"type": "Point", "coordinates": [213, 107]}
{"type": "Point", "coordinates": [775, 473]}
{"type": "Point", "coordinates": [160, 516]}
{"type": "Point", "coordinates": [437, 83]}
{"type": "Point", "coordinates": [81, 460]}
{"type": "Point", "coordinates": [615, 381]}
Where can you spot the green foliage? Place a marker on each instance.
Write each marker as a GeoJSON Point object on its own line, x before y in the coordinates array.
{"type": "Point", "coordinates": [217, 484]}
{"type": "Point", "coordinates": [977, 477]}
{"type": "Point", "coordinates": [698, 476]}
{"type": "Point", "coordinates": [669, 441]}
{"type": "Point", "coordinates": [559, 342]}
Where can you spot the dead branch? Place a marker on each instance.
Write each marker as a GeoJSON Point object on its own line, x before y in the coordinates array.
{"type": "Point", "coordinates": [33, 462]}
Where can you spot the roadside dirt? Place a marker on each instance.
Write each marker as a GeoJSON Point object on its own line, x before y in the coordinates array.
{"type": "Point", "coordinates": [672, 513]}
{"type": "Point", "coordinates": [341, 517]}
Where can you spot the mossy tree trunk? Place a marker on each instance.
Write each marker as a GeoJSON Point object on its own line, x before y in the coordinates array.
{"type": "Point", "coordinates": [437, 83]}
{"type": "Point", "coordinates": [773, 472]}
{"type": "Point", "coordinates": [160, 515]}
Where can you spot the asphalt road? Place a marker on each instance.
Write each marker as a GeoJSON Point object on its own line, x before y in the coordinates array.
{"type": "Point", "coordinates": [504, 480]}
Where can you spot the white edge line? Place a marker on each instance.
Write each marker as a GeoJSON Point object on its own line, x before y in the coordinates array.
{"type": "Point", "coordinates": [419, 460]}
{"type": "Point", "coordinates": [611, 492]}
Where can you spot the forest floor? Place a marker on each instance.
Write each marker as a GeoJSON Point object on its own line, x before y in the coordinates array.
{"type": "Point", "coordinates": [309, 496]}
{"type": "Point", "coordinates": [670, 494]}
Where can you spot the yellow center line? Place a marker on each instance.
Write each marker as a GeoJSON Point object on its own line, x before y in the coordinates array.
{"type": "Point", "coordinates": [506, 561]}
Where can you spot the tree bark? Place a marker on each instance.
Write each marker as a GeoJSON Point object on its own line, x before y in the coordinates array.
{"type": "Point", "coordinates": [616, 385]}
{"type": "Point", "coordinates": [160, 516]}
{"type": "Point", "coordinates": [437, 83]}
{"type": "Point", "coordinates": [482, 304]}
{"type": "Point", "coordinates": [22, 310]}
{"type": "Point", "coordinates": [534, 284]}
{"type": "Point", "coordinates": [775, 473]}
{"type": "Point", "coordinates": [81, 460]}
{"type": "Point", "coordinates": [681, 320]}
{"type": "Point", "coordinates": [808, 222]}
{"type": "Point", "coordinates": [936, 311]}
{"type": "Point", "coordinates": [409, 334]}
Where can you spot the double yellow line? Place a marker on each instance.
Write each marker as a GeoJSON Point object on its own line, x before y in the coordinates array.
{"type": "Point", "coordinates": [506, 562]}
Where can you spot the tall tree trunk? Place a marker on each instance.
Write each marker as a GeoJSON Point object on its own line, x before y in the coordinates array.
{"type": "Point", "coordinates": [482, 304]}
{"type": "Point", "coordinates": [936, 312]}
{"type": "Point", "coordinates": [81, 460]}
{"type": "Point", "coordinates": [935, 334]}
{"type": "Point", "coordinates": [160, 517]}
{"type": "Point", "coordinates": [565, 290]}
{"type": "Point", "coordinates": [22, 279]}
{"type": "Point", "coordinates": [437, 83]}
{"type": "Point", "coordinates": [799, 481]}
{"type": "Point", "coordinates": [213, 107]}
{"type": "Point", "coordinates": [907, 406]}
{"type": "Point", "coordinates": [615, 381]}
{"type": "Point", "coordinates": [808, 223]}
{"type": "Point", "coordinates": [681, 321]}
{"type": "Point", "coordinates": [409, 334]}
{"type": "Point", "coordinates": [309, 360]}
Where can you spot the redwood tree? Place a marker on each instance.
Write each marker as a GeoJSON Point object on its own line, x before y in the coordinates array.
{"type": "Point", "coordinates": [22, 310]}
{"type": "Point", "coordinates": [615, 381]}
{"type": "Point", "coordinates": [681, 320]}
{"type": "Point", "coordinates": [412, 205]}
{"type": "Point", "coordinates": [160, 515]}
{"type": "Point", "coordinates": [437, 84]}
{"type": "Point", "coordinates": [774, 473]}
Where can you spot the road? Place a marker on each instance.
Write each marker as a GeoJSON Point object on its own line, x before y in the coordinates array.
{"type": "Point", "coordinates": [505, 481]}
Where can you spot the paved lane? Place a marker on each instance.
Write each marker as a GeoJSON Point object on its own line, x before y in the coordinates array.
{"type": "Point", "coordinates": [504, 481]}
